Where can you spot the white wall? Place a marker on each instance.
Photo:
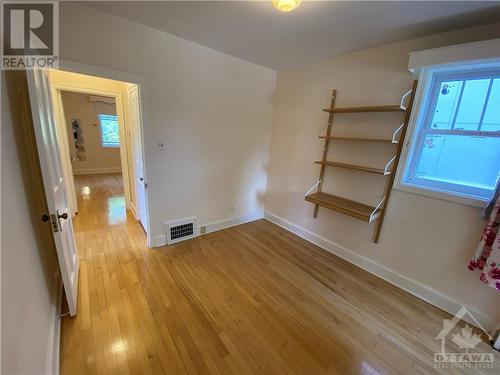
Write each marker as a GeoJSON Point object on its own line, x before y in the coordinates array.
{"type": "Point", "coordinates": [29, 288]}
{"type": "Point", "coordinates": [425, 243]}
{"type": "Point", "coordinates": [212, 110]}
{"type": "Point", "coordinates": [98, 159]}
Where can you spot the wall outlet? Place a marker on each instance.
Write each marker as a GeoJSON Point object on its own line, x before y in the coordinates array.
{"type": "Point", "coordinates": [160, 145]}
{"type": "Point", "coordinates": [203, 229]}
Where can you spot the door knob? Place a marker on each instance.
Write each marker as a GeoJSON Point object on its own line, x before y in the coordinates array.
{"type": "Point", "coordinates": [45, 217]}
{"type": "Point", "coordinates": [63, 216]}
{"type": "Point", "coordinates": [141, 179]}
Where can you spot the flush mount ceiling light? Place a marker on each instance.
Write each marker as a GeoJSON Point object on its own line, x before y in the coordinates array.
{"type": "Point", "coordinates": [286, 5]}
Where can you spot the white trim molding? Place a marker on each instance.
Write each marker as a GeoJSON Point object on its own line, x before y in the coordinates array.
{"type": "Point", "coordinates": [215, 226]}
{"type": "Point", "coordinates": [413, 287]}
{"type": "Point", "coordinates": [160, 240]}
{"type": "Point", "coordinates": [141, 82]}
{"type": "Point", "coordinates": [411, 146]}
{"type": "Point", "coordinates": [485, 50]}
{"type": "Point", "coordinates": [54, 340]}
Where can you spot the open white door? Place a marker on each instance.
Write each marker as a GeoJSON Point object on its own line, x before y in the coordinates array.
{"type": "Point", "coordinates": [140, 183]}
{"type": "Point", "coordinates": [53, 181]}
{"type": "Point", "coordinates": [64, 149]}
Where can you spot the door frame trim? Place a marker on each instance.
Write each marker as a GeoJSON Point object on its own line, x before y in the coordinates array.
{"type": "Point", "coordinates": [57, 90]}
{"type": "Point", "coordinates": [141, 82]}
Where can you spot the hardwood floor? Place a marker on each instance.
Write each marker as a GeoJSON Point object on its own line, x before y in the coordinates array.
{"type": "Point", "coordinates": [252, 299]}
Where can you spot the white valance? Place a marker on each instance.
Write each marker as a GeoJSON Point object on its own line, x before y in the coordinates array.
{"type": "Point", "coordinates": [483, 51]}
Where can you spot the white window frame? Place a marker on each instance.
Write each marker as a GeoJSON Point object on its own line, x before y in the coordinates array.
{"type": "Point", "coordinates": [423, 98]}
{"type": "Point", "coordinates": [103, 145]}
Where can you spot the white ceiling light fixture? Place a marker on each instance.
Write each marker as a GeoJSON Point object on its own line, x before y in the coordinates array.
{"type": "Point", "coordinates": [286, 5]}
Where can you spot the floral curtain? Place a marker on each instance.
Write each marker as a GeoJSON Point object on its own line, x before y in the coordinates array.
{"type": "Point", "coordinates": [487, 257]}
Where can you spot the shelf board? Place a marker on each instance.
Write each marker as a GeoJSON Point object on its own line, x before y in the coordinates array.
{"type": "Point", "coordinates": [353, 166]}
{"type": "Point", "coordinates": [376, 108]}
{"type": "Point", "coordinates": [360, 139]}
{"type": "Point", "coordinates": [345, 206]}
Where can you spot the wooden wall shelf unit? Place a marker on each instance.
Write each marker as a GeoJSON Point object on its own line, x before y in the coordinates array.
{"type": "Point", "coordinates": [360, 139]}
{"type": "Point", "coordinates": [353, 166]}
{"type": "Point", "coordinates": [343, 205]}
{"type": "Point", "coordinates": [355, 209]}
{"type": "Point", "coordinates": [375, 108]}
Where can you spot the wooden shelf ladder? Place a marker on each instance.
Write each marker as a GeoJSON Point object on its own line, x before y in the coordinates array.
{"type": "Point", "coordinates": [343, 205]}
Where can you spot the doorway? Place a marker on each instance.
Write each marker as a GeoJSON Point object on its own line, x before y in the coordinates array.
{"type": "Point", "coordinates": [60, 136]}
{"type": "Point", "coordinates": [99, 134]}
{"type": "Point", "coordinates": [95, 148]}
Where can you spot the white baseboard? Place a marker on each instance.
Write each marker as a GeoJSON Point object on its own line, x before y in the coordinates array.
{"type": "Point", "coordinates": [160, 240]}
{"type": "Point", "coordinates": [214, 226]}
{"type": "Point", "coordinates": [413, 287]}
{"type": "Point", "coordinates": [54, 340]}
{"type": "Point", "coordinates": [97, 170]}
{"type": "Point", "coordinates": [134, 211]}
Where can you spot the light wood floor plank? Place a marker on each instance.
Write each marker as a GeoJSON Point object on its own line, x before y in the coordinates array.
{"type": "Point", "coordinates": [252, 299]}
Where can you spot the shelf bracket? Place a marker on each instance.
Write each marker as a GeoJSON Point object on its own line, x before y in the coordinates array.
{"type": "Point", "coordinates": [395, 133]}
{"type": "Point", "coordinates": [391, 178]}
{"type": "Point", "coordinates": [325, 129]}
{"type": "Point", "coordinates": [386, 169]}
{"type": "Point", "coordinates": [403, 99]}
{"type": "Point", "coordinates": [311, 189]}
{"type": "Point", "coordinates": [376, 209]}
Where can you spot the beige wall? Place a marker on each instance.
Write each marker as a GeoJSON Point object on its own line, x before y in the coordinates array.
{"type": "Point", "coordinates": [98, 159]}
{"type": "Point", "coordinates": [28, 258]}
{"type": "Point", "coordinates": [213, 112]}
{"type": "Point", "coordinates": [426, 241]}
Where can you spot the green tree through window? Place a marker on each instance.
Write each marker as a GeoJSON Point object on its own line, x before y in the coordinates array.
{"type": "Point", "coordinates": [110, 135]}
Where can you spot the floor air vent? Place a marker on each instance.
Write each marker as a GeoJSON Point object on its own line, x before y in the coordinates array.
{"type": "Point", "coordinates": [180, 230]}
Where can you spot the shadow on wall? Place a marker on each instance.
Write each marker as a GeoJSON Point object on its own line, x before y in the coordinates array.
{"type": "Point", "coordinates": [261, 194]}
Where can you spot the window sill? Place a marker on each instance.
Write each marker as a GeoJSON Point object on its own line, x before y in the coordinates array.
{"type": "Point", "coordinates": [461, 199]}
{"type": "Point", "coordinates": [111, 147]}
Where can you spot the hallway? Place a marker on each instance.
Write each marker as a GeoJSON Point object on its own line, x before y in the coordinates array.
{"type": "Point", "coordinates": [109, 239]}
{"type": "Point", "coordinates": [252, 299]}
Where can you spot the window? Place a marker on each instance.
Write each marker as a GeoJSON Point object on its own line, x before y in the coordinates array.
{"type": "Point", "coordinates": [110, 135]}
{"type": "Point", "coordinates": [456, 142]}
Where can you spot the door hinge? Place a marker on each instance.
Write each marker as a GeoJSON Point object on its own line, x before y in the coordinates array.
{"type": "Point", "coordinates": [55, 223]}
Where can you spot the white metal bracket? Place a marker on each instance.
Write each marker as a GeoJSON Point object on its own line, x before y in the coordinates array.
{"type": "Point", "coordinates": [403, 99]}
{"type": "Point", "coordinates": [395, 133]}
{"type": "Point", "coordinates": [386, 169]}
{"type": "Point", "coordinates": [311, 189]}
{"type": "Point", "coordinates": [376, 209]}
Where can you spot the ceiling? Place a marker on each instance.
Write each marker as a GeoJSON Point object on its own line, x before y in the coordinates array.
{"type": "Point", "coordinates": [256, 32]}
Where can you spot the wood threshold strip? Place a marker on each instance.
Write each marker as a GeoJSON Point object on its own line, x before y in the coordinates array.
{"type": "Point", "coordinates": [376, 108]}
{"type": "Point", "coordinates": [345, 206]}
{"type": "Point", "coordinates": [360, 139]}
{"type": "Point", "coordinates": [353, 166]}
